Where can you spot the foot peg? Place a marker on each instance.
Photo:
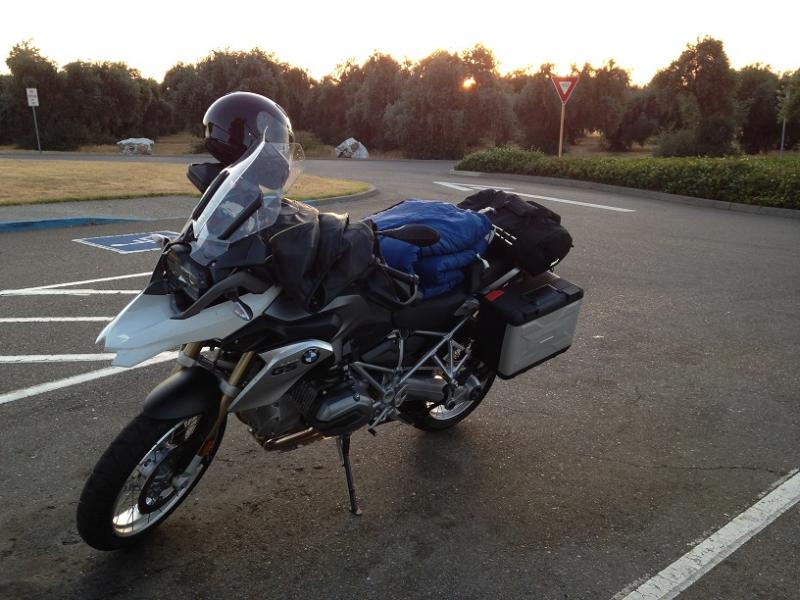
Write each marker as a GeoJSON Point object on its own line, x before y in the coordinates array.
{"type": "Point", "coordinates": [343, 444]}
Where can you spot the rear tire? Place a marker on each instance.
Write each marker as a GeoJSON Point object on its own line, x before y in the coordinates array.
{"type": "Point", "coordinates": [113, 512]}
{"type": "Point", "coordinates": [437, 418]}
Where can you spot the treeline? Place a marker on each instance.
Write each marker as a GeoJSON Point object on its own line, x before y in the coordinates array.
{"type": "Point", "coordinates": [698, 105]}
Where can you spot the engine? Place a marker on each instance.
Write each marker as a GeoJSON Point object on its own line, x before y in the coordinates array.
{"type": "Point", "coordinates": [331, 411]}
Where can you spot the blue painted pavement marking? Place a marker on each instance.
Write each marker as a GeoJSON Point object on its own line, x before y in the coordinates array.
{"type": "Point", "coordinates": [12, 226]}
{"type": "Point", "coordinates": [129, 243]}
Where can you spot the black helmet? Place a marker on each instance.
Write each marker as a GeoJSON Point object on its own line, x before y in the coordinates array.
{"type": "Point", "coordinates": [237, 121]}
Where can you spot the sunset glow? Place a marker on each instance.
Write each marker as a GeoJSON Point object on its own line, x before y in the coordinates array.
{"type": "Point", "coordinates": [317, 36]}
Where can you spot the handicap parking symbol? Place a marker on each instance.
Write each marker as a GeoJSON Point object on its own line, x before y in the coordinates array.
{"type": "Point", "coordinates": [129, 243]}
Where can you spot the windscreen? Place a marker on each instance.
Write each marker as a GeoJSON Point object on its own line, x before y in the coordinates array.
{"type": "Point", "coordinates": [248, 199]}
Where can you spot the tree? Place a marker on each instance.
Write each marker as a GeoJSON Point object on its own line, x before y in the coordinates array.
{"type": "Point", "coordinates": [538, 111]}
{"type": "Point", "coordinates": [380, 85]}
{"type": "Point", "coordinates": [184, 91]}
{"type": "Point", "coordinates": [190, 89]}
{"type": "Point", "coordinates": [696, 93]}
{"type": "Point", "coordinates": [428, 120]}
{"type": "Point", "coordinates": [790, 98]}
{"type": "Point", "coordinates": [5, 108]}
{"type": "Point", "coordinates": [488, 109]}
{"type": "Point", "coordinates": [30, 69]}
{"type": "Point", "coordinates": [789, 106]}
{"type": "Point", "coordinates": [610, 97]}
{"type": "Point", "coordinates": [757, 99]}
{"type": "Point", "coordinates": [327, 110]}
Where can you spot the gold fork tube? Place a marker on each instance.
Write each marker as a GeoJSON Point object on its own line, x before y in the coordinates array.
{"type": "Point", "coordinates": [235, 379]}
{"type": "Point", "coordinates": [191, 350]}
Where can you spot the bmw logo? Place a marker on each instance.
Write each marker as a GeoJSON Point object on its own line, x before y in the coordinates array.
{"type": "Point", "coordinates": [310, 356]}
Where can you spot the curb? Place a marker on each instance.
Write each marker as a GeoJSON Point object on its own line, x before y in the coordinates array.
{"type": "Point", "coordinates": [650, 194]}
{"type": "Point", "coordinates": [39, 224]}
{"type": "Point", "coordinates": [370, 191]}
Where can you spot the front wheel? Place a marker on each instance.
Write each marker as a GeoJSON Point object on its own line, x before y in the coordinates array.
{"type": "Point", "coordinates": [146, 472]}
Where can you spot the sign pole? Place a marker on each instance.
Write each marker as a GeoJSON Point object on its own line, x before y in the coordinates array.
{"type": "Point", "coordinates": [33, 102]}
{"type": "Point", "coordinates": [783, 135]}
{"type": "Point", "coordinates": [36, 127]}
{"type": "Point", "coordinates": [783, 128]}
{"type": "Point", "coordinates": [561, 132]}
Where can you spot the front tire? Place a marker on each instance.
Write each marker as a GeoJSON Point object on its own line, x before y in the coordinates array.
{"type": "Point", "coordinates": [144, 475]}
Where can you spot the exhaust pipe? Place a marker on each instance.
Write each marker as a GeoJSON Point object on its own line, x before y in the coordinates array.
{"type": "Point", "coordinates": [293, 440]}
{"type": "Point", "coordinates": [430, 389]}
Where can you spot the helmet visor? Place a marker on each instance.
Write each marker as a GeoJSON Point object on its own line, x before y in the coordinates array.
{"type": "Point", "coordinates": [249, 197]}
{"type": "Point", "coordinates": [229, 135]}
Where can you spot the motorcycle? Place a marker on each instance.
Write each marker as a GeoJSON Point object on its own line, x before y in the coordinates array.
{"type": "Point", "coordinates": [294, 374]}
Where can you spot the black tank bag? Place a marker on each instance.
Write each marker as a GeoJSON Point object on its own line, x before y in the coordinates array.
{"type": "Point", "coordinates": [529, 235]}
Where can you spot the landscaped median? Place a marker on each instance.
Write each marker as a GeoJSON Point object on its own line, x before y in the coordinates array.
{"type": "Point", "coordinates": [37, 181]}
{"type": "Point", "coordinates": [765, 181]}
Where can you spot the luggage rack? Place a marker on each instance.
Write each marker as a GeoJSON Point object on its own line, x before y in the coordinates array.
{"type": "Point", "coordinates": [508, 239]}
{"type": "Point", "coordinates": [506, 236]}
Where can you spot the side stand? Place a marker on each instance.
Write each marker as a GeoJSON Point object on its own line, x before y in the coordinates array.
{"type": "Point", "coordinates": [343, 444]}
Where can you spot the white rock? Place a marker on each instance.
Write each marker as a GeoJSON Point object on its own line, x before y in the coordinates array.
{"type": "Point", "coordinates": [132, 146]}
{"type": "Point", "coordinates": [351, 148]}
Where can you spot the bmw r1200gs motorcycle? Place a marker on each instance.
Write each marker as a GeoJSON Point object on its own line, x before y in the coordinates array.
{"type": "Point", "coordinates": [296, 373]}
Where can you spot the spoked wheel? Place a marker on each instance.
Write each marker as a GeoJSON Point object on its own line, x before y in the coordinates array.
{"type": "Point", "coordinates": [430, 416]}
{"type": "Point", "coordinates": [144, 475]}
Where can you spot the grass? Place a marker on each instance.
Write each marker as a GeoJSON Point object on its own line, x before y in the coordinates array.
{"type": "Point", "coordinates": [178, 143]}
{"type": "Point", "coordinates": [33, 182]}
{"type": "Point", "coordinates": [591, 145]}
{"type": "Point", "coordinates": [184, 143]}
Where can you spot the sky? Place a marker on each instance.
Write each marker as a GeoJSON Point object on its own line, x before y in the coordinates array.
{"type": "Point", "coordinates": [642, 36]}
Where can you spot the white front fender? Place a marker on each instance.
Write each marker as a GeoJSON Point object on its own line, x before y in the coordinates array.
{"type": "Point", "coordinates": [146, 326]}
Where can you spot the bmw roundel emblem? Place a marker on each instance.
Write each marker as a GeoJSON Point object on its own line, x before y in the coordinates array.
{"type": "Point", "coordinates": [310, 356]}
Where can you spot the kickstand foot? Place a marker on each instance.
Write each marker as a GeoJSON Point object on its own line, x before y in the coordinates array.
{"type": "Point", "coordinates": [343, 444]}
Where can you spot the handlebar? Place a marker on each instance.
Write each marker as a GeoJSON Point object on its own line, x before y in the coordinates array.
{"type": "Point", "coordinates": [232, 284]}
{"type": "Point", "coordinates": [402, 276]}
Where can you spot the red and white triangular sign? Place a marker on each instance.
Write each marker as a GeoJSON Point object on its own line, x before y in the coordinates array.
{"type": "Point", "coordinates": [564, 86]}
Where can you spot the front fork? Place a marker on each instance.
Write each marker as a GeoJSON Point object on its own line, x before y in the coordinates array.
{"type": "Point", "coordinates": [189, 354]}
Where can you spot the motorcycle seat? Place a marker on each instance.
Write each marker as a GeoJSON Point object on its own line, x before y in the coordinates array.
{"type": "Point", "coordinates": [432, 314]}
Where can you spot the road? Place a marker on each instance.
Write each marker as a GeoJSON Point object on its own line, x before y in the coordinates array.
{"type": "Point", "coordinates": [675, 410]}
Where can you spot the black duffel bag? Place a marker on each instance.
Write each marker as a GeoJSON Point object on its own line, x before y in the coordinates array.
{"type": "Point", "coordinates": [537, 240]}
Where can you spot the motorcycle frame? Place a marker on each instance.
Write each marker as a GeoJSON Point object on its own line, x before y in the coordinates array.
{"type": "Point", "coordinates": [400, 375]}
{"type": "Point", "coordinates": [392, 393]}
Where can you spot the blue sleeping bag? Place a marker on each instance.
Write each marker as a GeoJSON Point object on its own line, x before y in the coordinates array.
{"type": "Point", "coordinates": [463, 236]}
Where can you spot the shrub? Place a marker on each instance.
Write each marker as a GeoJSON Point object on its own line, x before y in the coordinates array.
{"type": "Point", "coordinates": [681, 142]}
{"type": "Point", "coordinates": [762, 181]}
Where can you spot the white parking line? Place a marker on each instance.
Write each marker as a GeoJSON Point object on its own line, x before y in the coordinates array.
{"type": "Point", "coordinates": [82, 378]}
{"type": "Point", "coordinates": [84, 281]}
{"type": "Point", "coordinates": [56, 319]}
{"type": "Point", "coordinates": [483, 187]}
{"type": "Point", "coordinates": [454, 186]}
{"type": "Point", "coordinates": [69, 292]}
{"type": "Point", "coordinates": [713, 550]}
{"type": "Point", "coordinates": [51, 358]}
{"type": "Point", "coordinates": [471, 187]}
{"type": "Point", "coordinates": [587, 204]}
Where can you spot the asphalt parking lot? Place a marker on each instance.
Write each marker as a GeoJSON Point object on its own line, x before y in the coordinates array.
{"type": "Point", "coordinates": [675, 410]}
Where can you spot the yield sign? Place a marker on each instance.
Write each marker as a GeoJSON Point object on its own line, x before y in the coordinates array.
{"type": "Point", "coordinates": [564, 87]}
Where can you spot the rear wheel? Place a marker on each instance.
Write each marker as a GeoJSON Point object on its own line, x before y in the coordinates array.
{"type": "Point", "coordinates": [144, 475]}
{"type": "Point", "coordinates": [430, 416]}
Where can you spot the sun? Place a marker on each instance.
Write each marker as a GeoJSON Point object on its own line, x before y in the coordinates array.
{"type": "Point", "coordinates": [468, 83]}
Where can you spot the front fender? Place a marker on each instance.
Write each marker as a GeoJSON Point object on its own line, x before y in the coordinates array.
{"type": "Point", "coordinates": [184, 394]}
